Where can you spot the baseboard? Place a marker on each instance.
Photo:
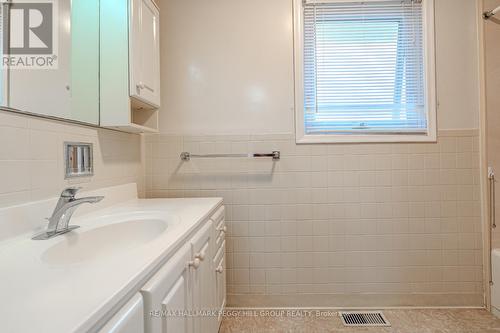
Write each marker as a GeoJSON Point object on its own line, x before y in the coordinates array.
{"type": "Point", "coordinates": [353, 301]}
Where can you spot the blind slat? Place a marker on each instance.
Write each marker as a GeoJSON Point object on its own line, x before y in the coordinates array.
{"type": "Point", "coordinates": [364, 67]}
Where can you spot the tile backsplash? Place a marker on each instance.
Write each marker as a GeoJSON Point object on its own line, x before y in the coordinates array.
{"type": "Point", "coordinates": [394, 224]}
{"type": "Point", "coordinates": [32, 164]}
{"type": "Point", "coordinates": [337, 220]}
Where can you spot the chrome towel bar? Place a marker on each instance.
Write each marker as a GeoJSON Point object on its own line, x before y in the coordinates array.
{"type": "Point", "coordinates": [186, 156]}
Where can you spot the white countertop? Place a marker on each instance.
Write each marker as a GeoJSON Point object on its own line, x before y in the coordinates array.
{"type": "Point", "coordinates": [41, 297]}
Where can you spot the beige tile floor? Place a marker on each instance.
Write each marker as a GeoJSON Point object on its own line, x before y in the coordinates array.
{"type": "Point", "coordinates": [403, 321]}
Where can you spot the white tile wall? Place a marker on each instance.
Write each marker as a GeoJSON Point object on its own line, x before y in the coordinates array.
{"type": "Point", "coordinates": [31, 158]}
{"type": "Point", "coordinates": [381, 219]}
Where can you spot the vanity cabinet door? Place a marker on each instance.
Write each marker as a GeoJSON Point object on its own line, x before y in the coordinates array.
{"type": "Point", "coordinates": [167, 296]}
{"type": "Point", "coordinates": [130, 319]}
{"type": "Point", "coordinates": [176, 300]}
{"type": "Point", "coordinates": [219, 268]}
{"type": "Point", "coordinates": [220, 281]}
{"type": "Point", "coordinates": [202, 280]}
{"type": "Point", "coordinates": [145, 52]}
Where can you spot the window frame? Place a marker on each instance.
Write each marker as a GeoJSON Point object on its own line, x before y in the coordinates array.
{"type": "Point", "coordinates": [429, 80]}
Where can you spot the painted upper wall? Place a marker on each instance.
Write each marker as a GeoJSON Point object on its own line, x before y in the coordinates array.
{"type": "Point", "coordinates": [227, 66]}
{"type": "Point", "coordinates": [457, 64]}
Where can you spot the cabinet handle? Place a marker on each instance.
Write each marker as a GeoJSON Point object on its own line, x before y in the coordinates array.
{"type": "Point", "coordinates": [200, 255]}
{"type": "Point", "coordinates": [195, 263]}
{"type": "Point", "coordinates": [220, 269]}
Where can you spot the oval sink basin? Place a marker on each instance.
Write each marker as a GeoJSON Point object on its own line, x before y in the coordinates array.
{"type": "Point", "coordinates": [103, 241]}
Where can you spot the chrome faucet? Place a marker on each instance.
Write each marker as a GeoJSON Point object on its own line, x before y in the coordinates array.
{"type": "Point", "coordinates": [66, 206]}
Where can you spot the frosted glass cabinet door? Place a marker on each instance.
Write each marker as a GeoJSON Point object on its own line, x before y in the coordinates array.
{"type": "Point", "coordinates": [145, 52]}
{"type": "Point", "coordinates": [69, 90]}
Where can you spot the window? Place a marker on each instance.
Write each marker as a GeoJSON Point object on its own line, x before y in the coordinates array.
{"type": "Point", "coordinates": [365, 71]}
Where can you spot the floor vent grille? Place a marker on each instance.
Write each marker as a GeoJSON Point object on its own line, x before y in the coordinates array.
{"type": "Point", "coordinates": [370, 318]}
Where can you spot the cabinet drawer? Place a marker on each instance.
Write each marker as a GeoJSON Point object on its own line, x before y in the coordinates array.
{"type": "Point", "coordinates": [220, 234]}
{"type": "Point", "coordinates": [218, 215]}
{"type": "Point", "coordinates": [220, 253]}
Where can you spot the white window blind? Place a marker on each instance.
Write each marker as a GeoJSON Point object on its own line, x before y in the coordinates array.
{"type": "Point", "coordinates": [364, 67]}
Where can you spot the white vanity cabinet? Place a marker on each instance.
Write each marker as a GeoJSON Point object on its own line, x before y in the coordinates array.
{"type": "Point", "coordinates": [130, 319]}
{"type": "Point", "coordinates": [129, 65]}
{"type": "Point", "coordinates": [157, 271]}
{"type": "Point", "coordinates": [183, 295]}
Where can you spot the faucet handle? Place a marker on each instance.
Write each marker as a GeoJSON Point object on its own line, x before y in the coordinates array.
{"type": "Point", "coordinates": [70, 192]}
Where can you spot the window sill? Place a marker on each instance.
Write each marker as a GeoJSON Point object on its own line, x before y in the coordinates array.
{"type": "Point", "coordinates": [368, 138]}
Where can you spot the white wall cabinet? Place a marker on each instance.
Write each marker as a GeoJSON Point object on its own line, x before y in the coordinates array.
{"type": "Point", "coordinates": [129, 65]}
{"type": "Point", "coordinates": [145, 52]}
